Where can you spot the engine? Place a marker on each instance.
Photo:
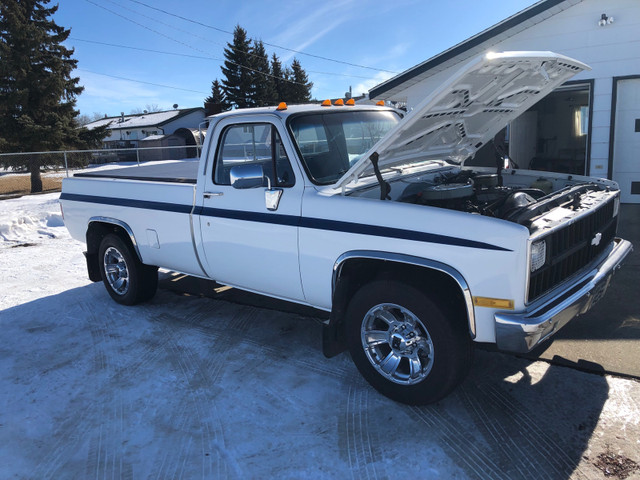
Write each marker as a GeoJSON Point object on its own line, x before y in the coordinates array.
{"type": "Point", "coordinates": [471, 192]}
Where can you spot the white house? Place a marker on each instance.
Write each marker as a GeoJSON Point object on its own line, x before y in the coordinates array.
{"type": "Point", "coordinates": [590, 125]}
{"type": "Point", "coordinates": [126, 131]}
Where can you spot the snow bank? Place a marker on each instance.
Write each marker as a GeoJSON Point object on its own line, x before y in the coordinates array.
{"type": "Point", "coordinates": [29, 219]}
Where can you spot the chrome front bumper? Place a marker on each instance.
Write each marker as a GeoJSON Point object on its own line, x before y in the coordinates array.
{"type": "Point", "coordinates": [523, 331]}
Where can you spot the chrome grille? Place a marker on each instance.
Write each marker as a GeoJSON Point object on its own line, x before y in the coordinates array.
{"type": "Point", "coordinates": [572, 247]}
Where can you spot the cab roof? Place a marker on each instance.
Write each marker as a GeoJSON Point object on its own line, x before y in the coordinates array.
{"type": "Point", "coordinates": [295, 109]}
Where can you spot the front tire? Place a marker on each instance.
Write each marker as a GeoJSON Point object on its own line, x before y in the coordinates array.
{"type": "Point", "coordinates": [125, 277]}
{"type": "Point", "coordinates": [405, 344]}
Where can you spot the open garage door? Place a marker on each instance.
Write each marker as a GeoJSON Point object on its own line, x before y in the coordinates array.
{"type": "Point", "coordinates": [553, 135]}
{"type": "Point", "coordinates": [626, 138]}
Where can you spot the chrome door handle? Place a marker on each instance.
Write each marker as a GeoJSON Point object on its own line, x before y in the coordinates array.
{"type": "Point", "coordinates": [212, 194]}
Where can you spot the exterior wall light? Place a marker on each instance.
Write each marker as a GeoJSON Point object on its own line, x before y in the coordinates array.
{"type": "Point", "coordinates": [604, 20]}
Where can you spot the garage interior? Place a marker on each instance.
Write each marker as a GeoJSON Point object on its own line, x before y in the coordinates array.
{"type": "Point", "coordinates": [552, 136]}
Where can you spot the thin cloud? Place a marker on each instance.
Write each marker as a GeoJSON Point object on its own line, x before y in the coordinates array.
{"type": "Point", "coordinates": [388, 59]}
{"type": "Point", "coordinates": [112, 96]}
{"type": "Point", "coordinates": [365, 86]}
{"type": "Point", "coordinates": [297, 33]}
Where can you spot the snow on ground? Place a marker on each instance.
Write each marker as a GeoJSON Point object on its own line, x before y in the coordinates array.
{"type": "Point", "coordinates": [28, 220]}
{"type": "Point", "coordinates": [35, 243]}
{"type": "Point", "coordinates": [193, 387]}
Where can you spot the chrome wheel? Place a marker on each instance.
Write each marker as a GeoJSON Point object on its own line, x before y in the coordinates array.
{"type": "Point", "coordinates": [117, 273]}
{"type": "Point", "coordinates": [397, 344]}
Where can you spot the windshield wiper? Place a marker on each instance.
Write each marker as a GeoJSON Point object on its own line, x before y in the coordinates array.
{"type": "Point", "coordinates": [385, 188]}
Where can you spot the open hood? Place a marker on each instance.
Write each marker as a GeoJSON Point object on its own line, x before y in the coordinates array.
{"type": "Point", "coordinates": [468, 110]}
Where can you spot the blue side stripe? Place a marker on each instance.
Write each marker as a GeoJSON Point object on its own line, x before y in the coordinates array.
{"type": "Point", "coordinates": [290, 220]}
{"type": "Point", "coordinates": [274, 218]}
{"type": "Point", "coordinates": [127, 202]}
{"type": "Point", "coordinates": [390, 232]}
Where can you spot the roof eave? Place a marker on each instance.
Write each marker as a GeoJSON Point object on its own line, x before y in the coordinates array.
{"type": "Point", "coordinates": [186, 111]}
{"type": "Point", "coordinates": [478, 39]}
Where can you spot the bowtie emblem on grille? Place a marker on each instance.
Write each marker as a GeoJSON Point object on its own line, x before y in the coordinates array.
{"type": "Point", "coordinates": [595, 241]}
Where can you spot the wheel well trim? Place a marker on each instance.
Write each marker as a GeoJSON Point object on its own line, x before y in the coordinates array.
{"type": "Point", "coordinates": [410, 260]}
{"type": "Point", "coordinates": [123, 225]}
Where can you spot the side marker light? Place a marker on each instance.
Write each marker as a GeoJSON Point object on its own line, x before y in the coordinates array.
{"type": "Point", "coordinates": [493, 303]}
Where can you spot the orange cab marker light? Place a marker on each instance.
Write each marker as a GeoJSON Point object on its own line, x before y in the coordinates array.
{"type": "Point", "coordinates": [380, 103]}
{"type": "Point", "coordinates": [326, 103]}
{"type": "Point", "coordinates": [282, 106]}
{"type": "Point", "coordinates": [351, 101]}
{"type": "Point", "coordinates": [339, 102]}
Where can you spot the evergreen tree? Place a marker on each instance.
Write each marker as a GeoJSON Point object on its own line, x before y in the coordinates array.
{"type": "Point", "coordinates": [279, 79]}
{"type": "Point", "coordinates": [237, 80]}
{"type": "Point", "coordinates": [37, 92]}
{"type": "Point", "coordinates": [287, 91]}
{"type": "Point", "coordinates": [217, 99]}
{"type": "Point", "coordinates": [263, 91]}
{"type": "Point", "coordinates": [300, 86]}
{"type": "Point", "coordinates": [250, 80]}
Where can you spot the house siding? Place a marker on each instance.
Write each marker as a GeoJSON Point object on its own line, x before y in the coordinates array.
{"type": "Point", "coordinates": [611, 51]}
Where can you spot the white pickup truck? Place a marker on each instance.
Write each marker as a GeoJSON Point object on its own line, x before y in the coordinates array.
{"type": "Point", "coordinates": [372, 217]}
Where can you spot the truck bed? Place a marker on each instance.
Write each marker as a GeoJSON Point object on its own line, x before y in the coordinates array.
{"type": "Point", "coordinates": [174, 172]}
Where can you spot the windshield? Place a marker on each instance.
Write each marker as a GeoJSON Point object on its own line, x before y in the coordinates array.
{"type": "Point", "coordinates": [329, 143]}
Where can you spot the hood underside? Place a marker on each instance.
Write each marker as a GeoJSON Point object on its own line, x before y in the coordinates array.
{"type": "Point", "coordinates": [468, 110]}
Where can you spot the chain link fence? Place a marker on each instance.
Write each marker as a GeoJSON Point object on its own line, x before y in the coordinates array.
{"type": "Point", "coordinates": [71, 160]}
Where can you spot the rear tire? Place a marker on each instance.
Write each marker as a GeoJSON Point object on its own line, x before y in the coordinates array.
{"type": "Point", "coordinates": [125, 277]}
{"type": "Point", "coordinates": [405, 344]}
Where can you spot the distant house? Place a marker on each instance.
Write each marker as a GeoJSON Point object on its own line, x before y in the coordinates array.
{"type": "Point", "coordinates": [590, 125]}
{"type": "Point", "coordinates": [157, 129]}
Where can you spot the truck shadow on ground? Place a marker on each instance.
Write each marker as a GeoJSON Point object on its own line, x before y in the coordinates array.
{"type": "Point", "coordinates": [200, 387]}
{"type": "Point", "coordinates": [491, 427]}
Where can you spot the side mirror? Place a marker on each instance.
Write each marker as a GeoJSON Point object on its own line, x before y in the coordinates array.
{"type": "Point", "coordinates": [247, 176]}
{"type": "Point", "coordinates": [252, 176]}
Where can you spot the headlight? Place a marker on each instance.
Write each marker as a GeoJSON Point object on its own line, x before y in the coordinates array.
{"type": "Point", "coordinates": [538, 255]}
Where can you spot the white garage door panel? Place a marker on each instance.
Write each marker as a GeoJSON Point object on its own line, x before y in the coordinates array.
{"type": "Point", "coordinates": [626, 148]}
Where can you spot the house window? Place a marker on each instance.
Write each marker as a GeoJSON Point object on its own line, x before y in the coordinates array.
{"type": "Point", "coordinates": [582, 120]}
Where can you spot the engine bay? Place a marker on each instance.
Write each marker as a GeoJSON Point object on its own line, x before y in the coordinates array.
{"type": "Point", "coordinates": [468, 191]}
{"type": "Point", "coordinates": [522, 197]}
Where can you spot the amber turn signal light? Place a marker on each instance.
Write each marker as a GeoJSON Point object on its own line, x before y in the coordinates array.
{"type": "Point", "coordinates": [493, 303]}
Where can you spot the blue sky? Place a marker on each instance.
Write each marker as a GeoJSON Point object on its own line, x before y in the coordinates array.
{"type": "Point", "coordinates": [385, 36]}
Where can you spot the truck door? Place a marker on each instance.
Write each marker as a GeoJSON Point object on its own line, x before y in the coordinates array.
{"type": "Point", "coordinates": [250, 209]}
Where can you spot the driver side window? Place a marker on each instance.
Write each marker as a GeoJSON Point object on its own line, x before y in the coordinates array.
{"type": "Point", "coordinates": [253, 143]}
